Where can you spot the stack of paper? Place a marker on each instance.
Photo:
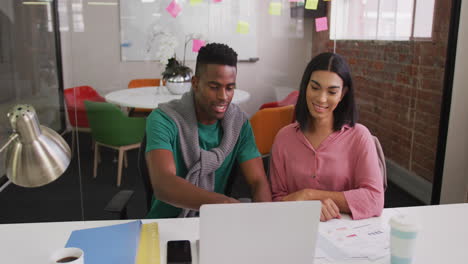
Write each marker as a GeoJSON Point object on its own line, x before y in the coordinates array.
{"type": "Point", "coordinates": [341, 239]}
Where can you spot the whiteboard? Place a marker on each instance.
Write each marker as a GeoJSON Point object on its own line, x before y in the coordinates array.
{"type": "Point", "coordinates": [145, 23]}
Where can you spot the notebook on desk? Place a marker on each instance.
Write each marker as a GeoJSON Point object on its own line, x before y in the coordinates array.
{"type": "Point", "coordinates": [273, 233]}
{"type": "Point", "coordinates": [116, 244]}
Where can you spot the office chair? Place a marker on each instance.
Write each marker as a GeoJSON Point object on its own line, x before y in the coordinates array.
{"type": "Point", "coordinates": [74, 100]}
{"type": "Point", "coordinates": [118, 203]}
{"type": "Point", "coordinates": [112, 129]}
{"type": "Point", "coordinates": [291, 99]}
{"type": "Point", "coordinates": [144, 174]}
{"type": "Point", "coordinates": [267, 122]}
{"type": "Point", "coordinates": [382, 164]}
{"type": "Point", "coordinates": [137, 83]}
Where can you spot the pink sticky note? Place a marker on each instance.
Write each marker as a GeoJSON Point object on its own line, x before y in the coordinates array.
{"type": "Point", "coordinates": [217, 1]}
{"type": "Point", "coordinates": [298, 0]}
{"type": "Point", "coordinates": [197, 44]}
{"type": "Point", "coordinates": [173, 8]}
{"type": "Point", "coordinates": [321, 24]}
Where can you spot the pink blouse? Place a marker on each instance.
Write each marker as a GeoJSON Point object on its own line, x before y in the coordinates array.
{"type": "Point", "coordinates": [346, 161]}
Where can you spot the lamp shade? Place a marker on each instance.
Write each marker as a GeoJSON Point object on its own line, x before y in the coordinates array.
{"type": "Point", "coordinates": [37, 155]}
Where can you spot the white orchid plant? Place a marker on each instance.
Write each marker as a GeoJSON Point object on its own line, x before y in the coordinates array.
{"type": "Point", "coordinates": [190, 37]}
{"type": "Point", "coordinates": [165, 52]}
{"type": "Point", "coordinates": [166, 43]}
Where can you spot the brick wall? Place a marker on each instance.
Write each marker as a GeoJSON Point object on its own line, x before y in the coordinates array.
{"type": "Point", "coordinates": [399, 89]}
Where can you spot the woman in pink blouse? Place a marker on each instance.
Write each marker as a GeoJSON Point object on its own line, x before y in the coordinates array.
{"type": "Point", "coordinates": [326, 155]}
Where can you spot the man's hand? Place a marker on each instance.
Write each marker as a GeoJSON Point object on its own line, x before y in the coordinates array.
{"type": "Point", "coordinates": [302, 195]}
{"type": "Point", "coordinates": [329, 210]}
{"type": "Point", "coordinates": [231, 200]}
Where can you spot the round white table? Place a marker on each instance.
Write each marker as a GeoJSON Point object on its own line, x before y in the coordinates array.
{"type": "Point", "coordinates": [152, 96]}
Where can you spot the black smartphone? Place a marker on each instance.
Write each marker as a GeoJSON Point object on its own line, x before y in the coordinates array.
{"type": "Point", "coordinates": [178, 252]}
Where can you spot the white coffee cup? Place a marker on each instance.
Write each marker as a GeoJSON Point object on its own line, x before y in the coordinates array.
{"type": "Point", "coordinates": [403, 234]}
{"type": "Point", "coordinates": [68, 256]}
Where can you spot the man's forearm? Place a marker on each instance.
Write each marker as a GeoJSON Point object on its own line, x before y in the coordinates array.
{"type": "Point", "coordinates": [261, 192]}
{"type": "Point", "coordinates": [180, 193]}
{"type": "Point", "coordinates": [255, 176]}
{"type": "Point", "coordinates": [174, 190]}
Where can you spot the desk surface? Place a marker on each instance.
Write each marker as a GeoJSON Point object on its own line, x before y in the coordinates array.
{"type": "Point", "coordinates": [151, 97]}
{"type": "Point", "coordinates": [443, 238]}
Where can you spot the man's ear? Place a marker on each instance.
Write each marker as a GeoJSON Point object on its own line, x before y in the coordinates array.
{"type": "Point", "coordinates": [195, 81]}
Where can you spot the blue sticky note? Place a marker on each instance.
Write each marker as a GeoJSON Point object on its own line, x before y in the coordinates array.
{"type": "Point", "coordinates": [116, 244]}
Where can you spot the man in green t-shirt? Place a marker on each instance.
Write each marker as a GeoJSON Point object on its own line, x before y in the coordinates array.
{"type": "Point", "coordinates": [193, 143]}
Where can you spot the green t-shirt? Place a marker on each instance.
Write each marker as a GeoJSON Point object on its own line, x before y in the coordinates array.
{"type": "Point", "coordinates": [162, 133]}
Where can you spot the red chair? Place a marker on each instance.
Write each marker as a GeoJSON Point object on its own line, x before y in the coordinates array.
{"type": "Point", "coordinates": [291, 99]}
{"type": "Point", "coordinates": [74, 99]}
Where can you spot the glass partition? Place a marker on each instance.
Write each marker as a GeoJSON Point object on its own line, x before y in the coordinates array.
{"type": "Point", "coordinates": [30, 73]}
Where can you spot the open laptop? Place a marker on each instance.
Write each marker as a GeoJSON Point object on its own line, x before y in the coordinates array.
{"type": "Point", "coordinates": [270, 233]}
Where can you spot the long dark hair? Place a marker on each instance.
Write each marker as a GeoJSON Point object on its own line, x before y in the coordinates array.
{"type": "Point", "coordinates": [345, 112]}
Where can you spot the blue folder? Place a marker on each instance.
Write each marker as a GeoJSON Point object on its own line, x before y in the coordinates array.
{"type": "Point", "coordinates": [116, 244]}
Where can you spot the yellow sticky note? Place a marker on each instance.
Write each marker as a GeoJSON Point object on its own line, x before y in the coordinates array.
{"type": "Point", "coordinates": [243, 27]}
{"type": "Point", "coordinates": [148, 248]}
{"type": "Point", "coordinates": [195, 2]}
{"type": "Point", "coordinates": [275, 9]}
{"type": "Point", "coordinates": [311, 4]}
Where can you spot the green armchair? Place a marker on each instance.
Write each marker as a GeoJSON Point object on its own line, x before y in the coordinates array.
{"type": "Point", "coordinates": [113, 129]}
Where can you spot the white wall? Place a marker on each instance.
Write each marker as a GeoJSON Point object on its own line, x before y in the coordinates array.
{"type": "Point", "coordinates": [6, 7]}
{"type": "Point", "coordinates": [455, 177]}
{"type": "Point", "coordinates": [92, 57]}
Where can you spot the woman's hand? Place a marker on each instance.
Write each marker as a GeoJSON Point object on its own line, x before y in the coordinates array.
{"type": "Point", "coordinates": [329, 210]}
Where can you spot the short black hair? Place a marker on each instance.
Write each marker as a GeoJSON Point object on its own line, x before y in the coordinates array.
{"type": "Point", "coordinates": [215, 53]}
{"type": "Point", "coordinates": [345, 112]}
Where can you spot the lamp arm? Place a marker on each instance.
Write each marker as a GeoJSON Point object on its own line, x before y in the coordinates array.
{"type": "Point", "coordinates": [12, 137]}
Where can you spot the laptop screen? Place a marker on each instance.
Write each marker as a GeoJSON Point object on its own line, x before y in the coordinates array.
{"type": "Point", "coordinates": [277, 232]}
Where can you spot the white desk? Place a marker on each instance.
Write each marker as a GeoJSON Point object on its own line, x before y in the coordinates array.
{"type": "Point", "coordinates": [34, 243]}
{"type": "Point", "coordinates": [151, 97]}
{"type": "Point", "coordinates": [443, 239]}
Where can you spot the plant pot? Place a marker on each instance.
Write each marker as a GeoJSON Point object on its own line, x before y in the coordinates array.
{"type": "Point", "coordinates": [179, 84]}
